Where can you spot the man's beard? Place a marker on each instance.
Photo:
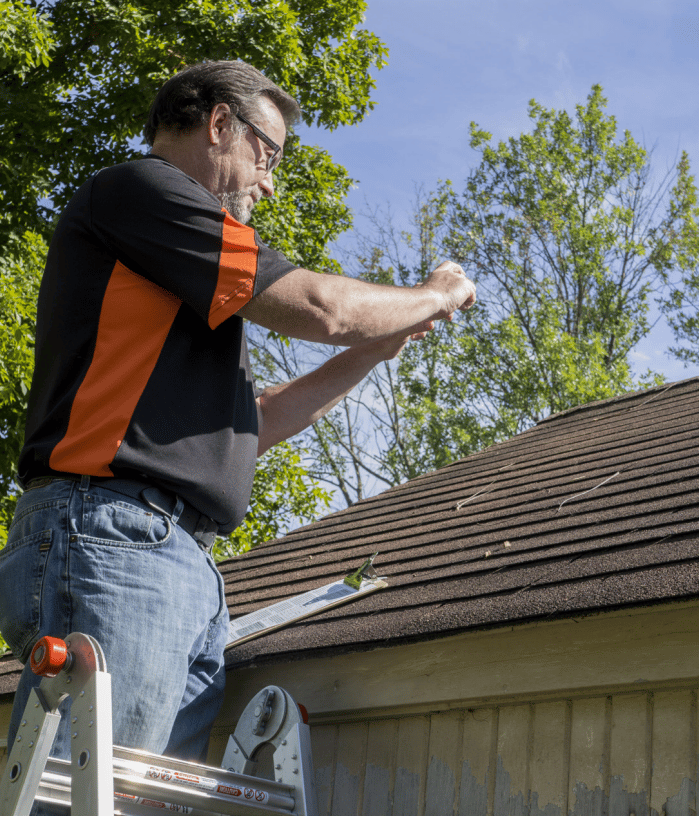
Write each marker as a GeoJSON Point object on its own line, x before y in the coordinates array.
{"type": "Point", "coordinates": [234, 203]}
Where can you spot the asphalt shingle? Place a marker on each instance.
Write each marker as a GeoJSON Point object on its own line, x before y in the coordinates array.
{"type": "Point", "coordinates": [593, 509]}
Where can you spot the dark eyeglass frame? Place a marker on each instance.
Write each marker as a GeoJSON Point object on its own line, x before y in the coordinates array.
{"type": "Point", "coordinates": [276, 157]}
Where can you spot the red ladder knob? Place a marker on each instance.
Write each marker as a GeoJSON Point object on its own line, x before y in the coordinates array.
{"type": "Point", "coordinates": [49, 656]}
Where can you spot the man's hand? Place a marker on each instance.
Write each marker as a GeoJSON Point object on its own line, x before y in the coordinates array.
{"type": "Point", "coordinates": [288, 408]}
{"type": "Point", "coordinates": [387, 348]}
{"type": "Point", "coordinates": [450, 281]}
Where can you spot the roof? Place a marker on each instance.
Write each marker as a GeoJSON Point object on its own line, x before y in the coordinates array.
{"type": "Point", "coordinates": [593, 509]}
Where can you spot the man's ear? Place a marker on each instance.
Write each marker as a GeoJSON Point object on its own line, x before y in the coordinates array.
{"type": "Point", "coordinates": [219, 119]}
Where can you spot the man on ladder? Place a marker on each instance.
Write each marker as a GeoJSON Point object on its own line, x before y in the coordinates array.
{"type": "Point", "coordinates": [143, 425]}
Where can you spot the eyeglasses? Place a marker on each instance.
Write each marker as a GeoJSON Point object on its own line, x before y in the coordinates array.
{"type": "Point", "coordinates": [276, 157]}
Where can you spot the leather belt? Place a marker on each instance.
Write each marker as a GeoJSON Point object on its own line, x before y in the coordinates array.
{"type": "Point", "coordinates": [202, 529]}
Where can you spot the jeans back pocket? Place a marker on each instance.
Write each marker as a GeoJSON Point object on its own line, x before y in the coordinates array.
{"type": "Point", "coordinates": [22, 566]}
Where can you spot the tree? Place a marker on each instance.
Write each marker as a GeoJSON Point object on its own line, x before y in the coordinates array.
{"type": "Point", "coordinates": [76, 81]}
{"type": "Point", "coordinates": [20, 272]}
{"type": "Point", "coordinates": [81, 103]}
{"type": "Point", "coordinates": [680, 302]}
{"type": "Point", "coordinates": [567, 233]}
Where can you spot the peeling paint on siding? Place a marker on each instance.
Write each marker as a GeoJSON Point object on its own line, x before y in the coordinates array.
{"type": "Point", "coordinates": [684, 802]}
{"type": "Point", "coordinates": [346, 792]}
{"type": "Point", "coordinates": [548, 810]}
{"type": "Point", "coordinates": [589, 802]}
{"type": "Point", "coordinates": [379, 800]}
{"type": "Point", "coordinates": [506, 802]}
{"type": "Point", "coordinates": [627, 754]}
{"type": "Point", "coordinates": [377, 791]}
{"type": "Point", "coordinates": [441, 789]}
{"type": "Point", "coordinates": [473, 796]}
{"type": "Point", "coordinates": [622, 803]}
{"type": "Point", "coordinates": [406, 797]}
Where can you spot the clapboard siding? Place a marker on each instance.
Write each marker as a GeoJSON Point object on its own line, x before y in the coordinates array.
{"type": "Point", "coordinates": [612, 754]}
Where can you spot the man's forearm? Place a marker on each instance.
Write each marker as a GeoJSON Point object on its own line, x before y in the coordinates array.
{"type": "Point", "coordinates": [345, 311]}
{"type": "Point", "coordinates": [287, 409]}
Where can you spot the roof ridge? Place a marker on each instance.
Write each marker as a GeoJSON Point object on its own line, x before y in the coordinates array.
{"type": "Point", "coordinates": [627, 395]}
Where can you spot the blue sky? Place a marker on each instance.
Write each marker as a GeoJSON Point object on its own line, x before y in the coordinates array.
{"type": "Point", "coordinates": [452, 62]}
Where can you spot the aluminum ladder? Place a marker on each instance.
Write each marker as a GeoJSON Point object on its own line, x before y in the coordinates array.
{"type": "Point", "coordinates": [103, 779]}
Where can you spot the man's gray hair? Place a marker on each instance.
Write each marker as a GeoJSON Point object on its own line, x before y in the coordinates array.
{"type": "Point", "coordinates": [185, 101]}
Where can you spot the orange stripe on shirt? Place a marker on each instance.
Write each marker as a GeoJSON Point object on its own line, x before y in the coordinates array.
{"type": "Point", "coordinates": [135, 320]}
{"type": "Point", "coordinates": [237, 268]}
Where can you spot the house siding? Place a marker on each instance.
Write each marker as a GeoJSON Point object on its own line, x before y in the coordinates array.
{"type": "Point", "coordinates": [611, 755]}
{"type": "Point", "coordinates": [595, 716]}
{"type": "Point", "coordinates": [614, 754]}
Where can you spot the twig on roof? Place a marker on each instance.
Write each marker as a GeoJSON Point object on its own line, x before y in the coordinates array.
{"type": "Point", "coordinates": [460, 504]}
{"type": "Point", "coordinates": [585, 492]}
{"type": "Point", "coordinates": [658, 394]}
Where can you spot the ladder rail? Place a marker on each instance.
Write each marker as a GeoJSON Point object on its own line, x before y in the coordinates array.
{"type": "Point", "coordinates": [88, 684]}
{"type": "Point", "coordinates": [55, 788]}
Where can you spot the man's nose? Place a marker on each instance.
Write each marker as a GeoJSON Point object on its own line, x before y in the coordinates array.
{"type": "Point", "coordinates": [267, 186]}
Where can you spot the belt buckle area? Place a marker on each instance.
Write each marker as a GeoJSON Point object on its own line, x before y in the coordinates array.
{"type": "Point", "coordinates": [205, 533]}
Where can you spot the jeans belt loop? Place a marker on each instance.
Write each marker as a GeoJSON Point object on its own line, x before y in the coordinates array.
{"type": "Point", "coordinates": [177, 512]}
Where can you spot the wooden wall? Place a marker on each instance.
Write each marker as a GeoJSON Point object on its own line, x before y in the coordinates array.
{"type": "Point", "coordinates": [592, 717]}
{"type": "Point", "coordinates": [618, 754]}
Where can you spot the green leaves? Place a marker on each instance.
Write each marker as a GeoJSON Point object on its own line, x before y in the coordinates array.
{"type": "Point", "coordinates": [559, 213]}
{"type": "Point", "coordinates": [676, 257]}
{"type": "Point", "coordinates": [308, 210]}
{"type": "Point", "coordinates": [25, 38]}
{"type": "Point", "coordinates": [20, 273]}
{"type": "Point", "coordinates": [283, 494]}
{"type": "Point", "coordinates": [76, 96]}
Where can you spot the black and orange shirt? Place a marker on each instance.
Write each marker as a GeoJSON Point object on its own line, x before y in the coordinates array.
{"type": "Point", "coordinates": [141, 362]}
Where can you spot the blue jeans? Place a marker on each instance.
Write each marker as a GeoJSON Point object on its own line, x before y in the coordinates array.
{"type": "Point", "coordinates": [83, 558]}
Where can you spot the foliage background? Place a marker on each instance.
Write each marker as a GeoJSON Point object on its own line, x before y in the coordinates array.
{"type": "Point", "coordinates": [76, 81]}
{"type": "Point", "coordinates": [572, 239]}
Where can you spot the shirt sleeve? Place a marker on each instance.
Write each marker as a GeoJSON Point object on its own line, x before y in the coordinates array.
{"type": "Point", "coordinates": [164, 226]}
